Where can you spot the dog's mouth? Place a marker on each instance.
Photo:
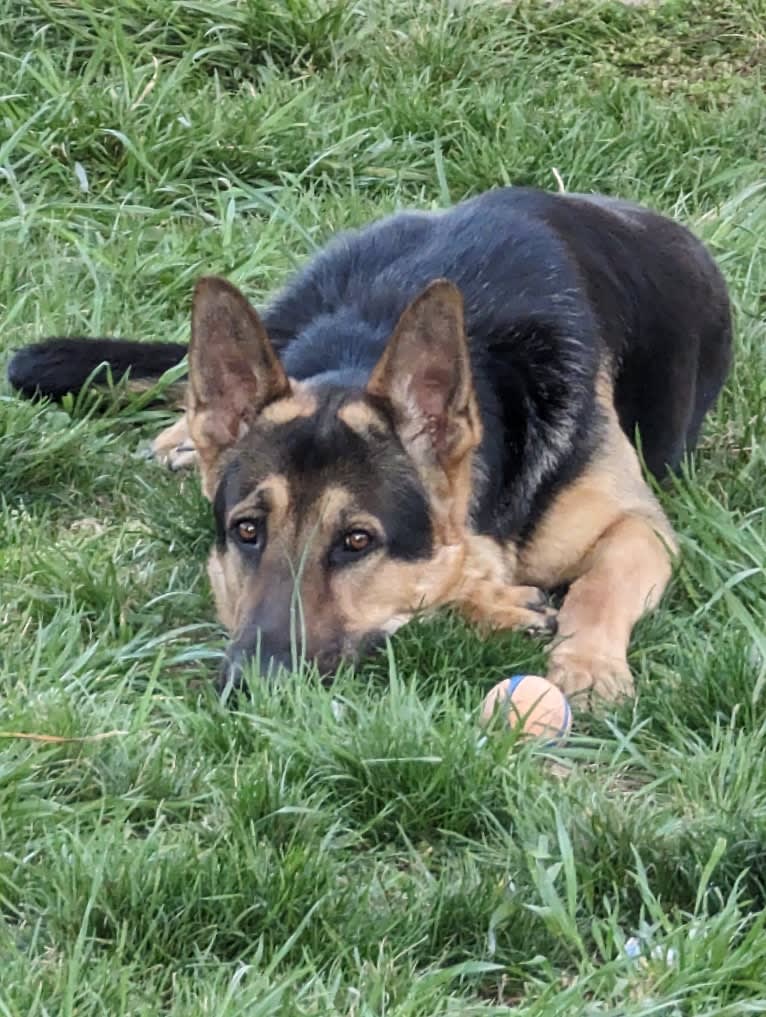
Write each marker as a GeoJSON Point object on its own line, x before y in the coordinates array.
{"type": "Point", "coordinates": [240, 666]}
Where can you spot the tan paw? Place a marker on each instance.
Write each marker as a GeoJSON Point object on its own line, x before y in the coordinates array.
{"type": "Point", "coordinates": [514, 607]}
{"type": "Point", "coordinates": [533, 612]}
{"type": "Point", "coordinates": [589, 681]}
{"type": "Point", "coordinates": [173, 447]}
{"type": "Point", "coordinates": [181, 457]}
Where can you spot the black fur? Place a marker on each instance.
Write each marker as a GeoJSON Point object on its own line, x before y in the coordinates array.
{"type": "Point", "coordinates": [56, 367]}
{"type": "Point", "coordinates": [555, 289]}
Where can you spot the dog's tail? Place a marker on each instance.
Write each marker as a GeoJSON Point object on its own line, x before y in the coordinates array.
{"type": "Point", "coordinates": [55, 367]}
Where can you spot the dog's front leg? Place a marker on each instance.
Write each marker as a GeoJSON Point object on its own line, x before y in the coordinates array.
{"type": "Point", "coordinates": [624, 576]}
{"type": "Point", "coordinates": [489, 596]}
{"type": "Point", "coordinates": [510, 607]}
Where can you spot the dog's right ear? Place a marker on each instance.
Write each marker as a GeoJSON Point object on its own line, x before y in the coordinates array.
{"type": "Point", "coordinates": [233, 369]}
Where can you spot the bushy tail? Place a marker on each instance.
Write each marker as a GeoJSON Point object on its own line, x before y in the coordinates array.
{"type": "Point", "coordinates": [55, 367]}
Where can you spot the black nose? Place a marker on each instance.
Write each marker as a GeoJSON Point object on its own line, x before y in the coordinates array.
{"type": "Point", "coordinates": [252, 657]}
{"type": "Point", "coordinates": [241, 664]}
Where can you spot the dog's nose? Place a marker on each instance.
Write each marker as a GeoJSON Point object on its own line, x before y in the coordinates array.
{"type": "Point", "coordinates": [241, 663]}
{"type": "Point", "coordinates": [230, 676]}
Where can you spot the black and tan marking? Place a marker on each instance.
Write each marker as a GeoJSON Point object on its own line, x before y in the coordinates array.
{"type": "Point", "coordinates": [441, 409]}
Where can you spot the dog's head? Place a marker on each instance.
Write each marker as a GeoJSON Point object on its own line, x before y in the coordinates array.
{"type": "Point", "coordinates": [339, 510]}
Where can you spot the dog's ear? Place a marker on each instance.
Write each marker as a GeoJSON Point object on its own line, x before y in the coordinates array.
{"type": "Point", "coordinates": [233, 369]}
{"type": "Point", "coordinates": [425, 374]}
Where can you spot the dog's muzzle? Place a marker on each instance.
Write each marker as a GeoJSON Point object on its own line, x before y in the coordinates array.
{"type": "Point", "coordinates": [245, 661]}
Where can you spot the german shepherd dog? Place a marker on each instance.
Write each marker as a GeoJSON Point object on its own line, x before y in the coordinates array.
{"type": "Point", "coordinates": [441, 408]}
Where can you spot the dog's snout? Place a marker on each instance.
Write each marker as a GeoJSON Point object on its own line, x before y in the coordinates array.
{"type": "Point", "coordinates": [261, 653]}
{"type": "Point", "coordinates": [243, 662]}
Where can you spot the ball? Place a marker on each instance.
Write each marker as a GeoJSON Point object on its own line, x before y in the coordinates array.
{"type": "Point", "coordinates": [534, 703]}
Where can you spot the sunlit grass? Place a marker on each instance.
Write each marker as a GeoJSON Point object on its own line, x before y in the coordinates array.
{"type": "Point", "coordinates": [161, 853]}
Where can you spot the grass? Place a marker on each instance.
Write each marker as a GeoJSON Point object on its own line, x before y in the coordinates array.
{"type": "Point", "coordinates": [170, 855]}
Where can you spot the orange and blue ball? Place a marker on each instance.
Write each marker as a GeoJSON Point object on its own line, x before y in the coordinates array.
{"type": "Point", "coordinates": [531, 702]}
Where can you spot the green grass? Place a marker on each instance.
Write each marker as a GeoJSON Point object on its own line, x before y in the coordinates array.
{"type": "Point", "coordinates": [180, 857]}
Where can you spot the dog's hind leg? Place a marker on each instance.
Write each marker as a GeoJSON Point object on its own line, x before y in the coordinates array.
{"type": "Point", "coordinates": [174, 447]}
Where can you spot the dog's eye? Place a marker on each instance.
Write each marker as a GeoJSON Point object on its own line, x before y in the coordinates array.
{"type": "Point", "coordinates": [248, 531]}
{"type": "Point", "coordinates": [356, 541]}
{"type": "Point", "coordinates": [351, 546]}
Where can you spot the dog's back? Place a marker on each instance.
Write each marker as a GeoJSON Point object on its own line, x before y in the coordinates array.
{"type": "Point", "coordinates": [556, 288]}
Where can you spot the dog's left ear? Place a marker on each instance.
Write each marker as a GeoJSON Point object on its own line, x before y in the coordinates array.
{"type": "Point", "coordinates": [425, 374]}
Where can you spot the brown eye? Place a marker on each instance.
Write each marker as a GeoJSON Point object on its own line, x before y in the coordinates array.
{"type": "Point", "coordinates": [356, 541]}
{"type": "Point", "coordinates": [248, 531]}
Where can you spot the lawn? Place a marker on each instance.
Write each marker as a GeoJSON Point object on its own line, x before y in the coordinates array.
{"type": "Point", "coordinates": [359, 851]}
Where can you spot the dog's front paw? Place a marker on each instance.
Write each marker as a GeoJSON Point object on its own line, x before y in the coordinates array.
{"type": "Point", "coordinates": [531, 611]}
{"type": "Point", "coordinates": [591, 681]}
{"type": "Point", "coordinates": [511, 607]}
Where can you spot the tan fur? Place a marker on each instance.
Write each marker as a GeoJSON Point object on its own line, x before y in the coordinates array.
{"type": "Point", "coordinates": [360, 417]}
{"type": "Point", "coordinates": [275, 491]}
{"type": "Point", "coordinates": [386, 594]}
{"type": "Point", "coordinates": [623, 576]}
{"type": "Point", "coordinates": [173, 447]}
{"type": "Point", "coordinates": [425, 374]}
{"type": "Point", "coordinates": [611, 488]}
{"type": "Point", "coordinates": [378, 594]}
{"type": "Point", "coordinates": [449, 482]}
{"type": "Point", "coordinates": [487, 590]}
{"type": "Point", "coordinates": [227, 581]}
{"type": "Point", "coordinates": [608, 536]}
{"type": "Point", "coordinates": [234, 373]}
{"type": "Point", "coordinates": [300, 403]}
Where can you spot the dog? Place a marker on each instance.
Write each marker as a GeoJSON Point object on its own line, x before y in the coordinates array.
{"type": "Point", "coordinates": [443, 408]}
